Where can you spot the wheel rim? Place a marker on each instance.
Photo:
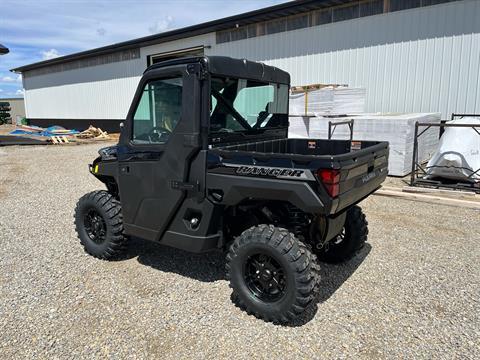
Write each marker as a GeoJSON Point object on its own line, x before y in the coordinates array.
{"type": "Point", "coordinates": [265, 277]}
{"type": "Point", "coordinates": [95, 226]}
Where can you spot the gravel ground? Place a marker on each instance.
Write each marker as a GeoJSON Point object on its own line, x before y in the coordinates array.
{"type": "Point", "coordinates": [412, 292]}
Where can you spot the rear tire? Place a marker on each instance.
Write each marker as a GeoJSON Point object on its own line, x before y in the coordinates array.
{"type": "Point", "coordinates": [274, 276]}
{"type": "Point", "coordinates": [350, 241]}
{"type": "Point", "coordinates": [99, 225]}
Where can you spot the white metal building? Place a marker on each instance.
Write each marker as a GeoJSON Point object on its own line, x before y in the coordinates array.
{"type": "Point", "coordinates": [410, 55]}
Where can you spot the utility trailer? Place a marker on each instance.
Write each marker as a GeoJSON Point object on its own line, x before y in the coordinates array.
{"type": "Point", "coordinates": [204, 163]}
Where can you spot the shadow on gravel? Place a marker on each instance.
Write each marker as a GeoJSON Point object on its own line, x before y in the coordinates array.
{"type": "Point", "coordinates": [205, 267]}
{"type": "Point", "coordinates": [209, 267]}
{"type": "Point", "coordinates": [332, 277]}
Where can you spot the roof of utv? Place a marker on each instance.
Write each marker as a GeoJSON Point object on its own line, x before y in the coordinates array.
{"type": "Point", "coordinates": [227, 66]}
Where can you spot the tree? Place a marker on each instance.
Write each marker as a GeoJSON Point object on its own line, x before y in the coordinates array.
{"type": "Point", "coordinates": [5, 113]}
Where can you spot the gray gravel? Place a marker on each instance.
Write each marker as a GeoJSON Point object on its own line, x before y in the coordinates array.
{"type": "Point", "coordinates": [412, 292]}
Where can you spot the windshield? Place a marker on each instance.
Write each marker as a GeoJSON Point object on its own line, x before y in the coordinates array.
{"type": "Point", "coordinates": [240, 105]}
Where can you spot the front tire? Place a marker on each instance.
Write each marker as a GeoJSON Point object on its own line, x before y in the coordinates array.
{"type": "Point", "coordinates": [352, 238]}
{"type": "Point", "coordinates": [274, 276]}
{"type": "Point", "coordinates": [99, 225]}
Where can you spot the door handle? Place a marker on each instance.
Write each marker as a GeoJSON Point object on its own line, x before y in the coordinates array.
{"type": "Point", "coordinates": [124, 169]}
{"type": "Point", "coordinates": [184, 186]}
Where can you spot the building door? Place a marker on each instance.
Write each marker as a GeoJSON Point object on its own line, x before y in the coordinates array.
{"type": "Point", "coordinates": [195, 51]}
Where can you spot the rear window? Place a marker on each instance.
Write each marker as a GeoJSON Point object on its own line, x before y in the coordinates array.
{"type": "Point", "coordinates": [245, 105]}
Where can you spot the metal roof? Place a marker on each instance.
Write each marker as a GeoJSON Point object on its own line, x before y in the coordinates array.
{"type": "Point", "coordinates": [272, 12]}
{"type": "Point", "coordinates": [238, 68]}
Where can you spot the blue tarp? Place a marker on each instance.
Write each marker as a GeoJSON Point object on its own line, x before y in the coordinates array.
{"type": "Point", "coordinates": [50, 131]}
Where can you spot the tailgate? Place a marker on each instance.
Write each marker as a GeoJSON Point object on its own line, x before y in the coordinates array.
{"type": "Point", "coordinates": [361, 173]}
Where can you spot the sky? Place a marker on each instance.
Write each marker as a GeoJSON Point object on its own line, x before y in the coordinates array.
{"type": "Point", "coordinates": [36, 30]}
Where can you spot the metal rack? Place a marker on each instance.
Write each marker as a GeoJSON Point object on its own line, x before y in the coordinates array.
{"type": "Point", "coordinates": [419, 171]}
{"type": "Point", "coordinates": [332, 125]}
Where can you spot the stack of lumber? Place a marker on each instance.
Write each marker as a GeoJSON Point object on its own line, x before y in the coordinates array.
{"type": "Point", "coordinates": [397, 129]}
{"type": "Point", "coordinates": [93, 133]}
{"type": "Point", "coordinates": [327, 100]}
{"type": "Point", "coordinates": [309, 99]}
{"type": "Point", "coordinates": [348, 100]}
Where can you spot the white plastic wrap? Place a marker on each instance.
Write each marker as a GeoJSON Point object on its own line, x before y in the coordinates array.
{"type": "Point", "coordinates": [397, 129]}
{"type": "Point", "coordinates": [321, 102]}
{"type": "Point", "coordinates": [458, 154]}
{"type": "Point", "coordinates": [297, 104]}
{"type": "Point", "coordinates": [299, 126]}
{"type": "Point", "coordinates": [349, 100]}
{"type": "Point", "coordinates": [329, 101]}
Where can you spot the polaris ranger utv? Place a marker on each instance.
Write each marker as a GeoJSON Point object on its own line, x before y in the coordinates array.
{"type": "Point", "coordinates": [204, 162]}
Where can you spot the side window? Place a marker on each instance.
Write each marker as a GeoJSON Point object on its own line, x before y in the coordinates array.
{"type": "Point", "coordinates": [158, 111]}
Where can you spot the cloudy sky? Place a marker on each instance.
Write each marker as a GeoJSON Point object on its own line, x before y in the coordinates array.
{"type": "Point", "coordinates": [36, 30]}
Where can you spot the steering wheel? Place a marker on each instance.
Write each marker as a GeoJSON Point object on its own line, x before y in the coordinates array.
{"type": "Point", "coordinates": [157, 133]}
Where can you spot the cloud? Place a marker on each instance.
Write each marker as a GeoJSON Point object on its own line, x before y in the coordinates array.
{"type": "Point", "coordinates": [81, 25]}
{"type": "Point", "coordinates": [10, 79]}
{"type": "Point", "coordinates": [7, 79]}
{"type": "Point", "coordinates": [8, 94]}
{"type": "Point", "coordinates": [161, 25]}
{"type": "Point", "coordinates": [50, 54]}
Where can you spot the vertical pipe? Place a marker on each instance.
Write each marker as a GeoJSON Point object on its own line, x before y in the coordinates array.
{"type": "Point", "coordinates": [415, 157]}
{"type": "Point", "coordinates": [350, 125]}
{"type": "Point", "coordinates": [306, 102]}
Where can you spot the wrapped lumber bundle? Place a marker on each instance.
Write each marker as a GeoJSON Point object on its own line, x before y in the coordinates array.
{"type": "Point", "coordinates": [347, 100]}
{"type": "Point", "coordinates": [397, 129]}
{"type": "Point", "coordinates": [298, 127]}
{"type": "Point", "coordinates": [328, 100]}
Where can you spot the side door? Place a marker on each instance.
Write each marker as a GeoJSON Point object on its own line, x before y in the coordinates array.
{"type": "Point", "coordinates": [156, 148]}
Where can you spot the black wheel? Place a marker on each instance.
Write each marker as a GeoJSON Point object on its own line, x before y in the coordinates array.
{"type": "Point", "coordinates": [349, 241]}
{"type": "Point", "coordinates": [273, 275]}
{"type": "Point", "coordinates": [99, 225]}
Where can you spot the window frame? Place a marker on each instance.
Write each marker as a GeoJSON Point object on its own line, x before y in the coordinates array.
{"type": "Point", "coordinates": [247, 131]}
{"type": "Point", "coordinates": [138, 98]}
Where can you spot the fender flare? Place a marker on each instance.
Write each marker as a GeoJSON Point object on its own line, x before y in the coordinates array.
{"type": "Point", "coordinates": [234, 189]}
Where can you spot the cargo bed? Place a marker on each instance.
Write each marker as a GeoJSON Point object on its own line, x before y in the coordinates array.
{"type": "Point", "coordinates": [361, 166]}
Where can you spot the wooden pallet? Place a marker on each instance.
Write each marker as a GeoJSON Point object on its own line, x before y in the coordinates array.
{"type": "Point", "coordinates": [312, 87]}
{"type": "Point", "coordinates": [93, 133]}
{"type": "Point", "coordinates": [57, 140]}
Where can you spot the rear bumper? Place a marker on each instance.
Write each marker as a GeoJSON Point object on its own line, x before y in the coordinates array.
{"type": "Point", "coordinates": [364, 187]}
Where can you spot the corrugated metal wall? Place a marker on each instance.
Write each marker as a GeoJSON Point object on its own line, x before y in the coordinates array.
{"type": "Point", "coordinates": [94, 92]}
{"type": "Point", "coordinates": [419, 60]}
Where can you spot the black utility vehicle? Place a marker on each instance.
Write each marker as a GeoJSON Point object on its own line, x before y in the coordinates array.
{"type": "Point", "coordinates": [204, 163]}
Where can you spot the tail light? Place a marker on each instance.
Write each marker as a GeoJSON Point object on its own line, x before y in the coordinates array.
{"type": "Point", "coordinates": [330, 179]}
